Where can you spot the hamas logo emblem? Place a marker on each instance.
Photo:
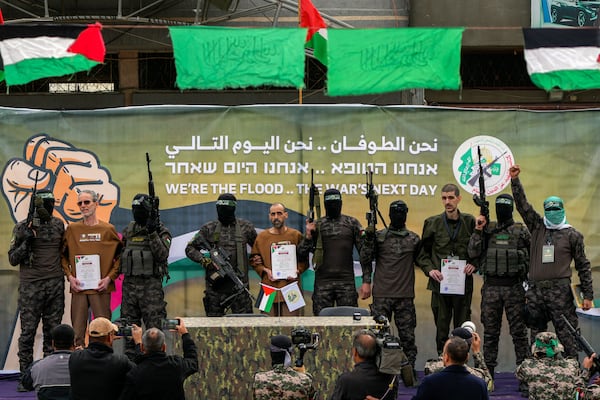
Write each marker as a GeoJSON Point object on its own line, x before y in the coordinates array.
{"type": "Point", "coordinates": [496, 160]}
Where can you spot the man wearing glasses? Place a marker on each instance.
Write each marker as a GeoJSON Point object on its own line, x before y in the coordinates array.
{"type": "Point", "coordinates": [91, 264]}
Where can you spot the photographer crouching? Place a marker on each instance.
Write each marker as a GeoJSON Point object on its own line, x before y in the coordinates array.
{"type": "Point", "coordinates": [285, 381]}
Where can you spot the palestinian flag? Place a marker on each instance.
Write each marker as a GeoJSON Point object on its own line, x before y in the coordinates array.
{"type": "Point", "coordinates": [266, 297]}
{"type": "Point", "coordinates": [35, 51]}
{"type": "Point", "coordinates": [566, 59]}
{"type": "Point", "coordinates": [316, 38]}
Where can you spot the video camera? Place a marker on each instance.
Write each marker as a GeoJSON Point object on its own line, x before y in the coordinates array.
{"type": "Point", "coordinates": [390, 358]}
{"type": "Point", "coordinates": [304, 340]}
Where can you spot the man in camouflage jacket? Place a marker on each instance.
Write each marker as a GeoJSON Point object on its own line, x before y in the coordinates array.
{"type": "Point", "coordinates": [283, 382]}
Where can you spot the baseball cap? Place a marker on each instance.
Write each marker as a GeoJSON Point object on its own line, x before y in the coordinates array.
{"type": "Point", "coordinates": [102, 327]}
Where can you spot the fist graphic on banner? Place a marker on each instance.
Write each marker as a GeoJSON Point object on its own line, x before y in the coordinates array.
{"type": "Point", "coordinates": [61, 168]}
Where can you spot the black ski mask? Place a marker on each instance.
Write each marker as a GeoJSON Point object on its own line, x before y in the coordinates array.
{"type": "Point", "coordinates": [398, 211]}
{"type": "Point", "coordinates": [333, 203]}
{"type": "Point", "coordinates": [44, 205]}
{"type": "Point", "coordinates": [226, 208]}
{"type": "Point", "coordinates": [504, 208]}
{"type": "Point", "coordinates": [141, 207]}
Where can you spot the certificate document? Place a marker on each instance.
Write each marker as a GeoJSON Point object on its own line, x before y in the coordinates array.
{"type": "Point", "coordinates": [283, 261]}
{"type": "Point", "coordinates": [87, 270]}
{"type": "Point", "coordinates": [454, 276]}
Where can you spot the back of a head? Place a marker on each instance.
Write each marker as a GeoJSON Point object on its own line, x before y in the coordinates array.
{"type": "Point", "coordinates": [365, 343]}
{"type": "Point", "coordinates": [63, 337]}
{"type": "Point", "coordinates": [281, 350]}
{"type": "Point", "coordinates": [463, 333]}
{"type": "Point", "coordinates": [153, 340]}
{"type": "Point", "coordinates": [457, 350]}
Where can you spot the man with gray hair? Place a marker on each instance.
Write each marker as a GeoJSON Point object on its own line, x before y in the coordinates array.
{"type": "Point", "coordinates": [365, 379]}
{"type": "Point", "coordinates": [157, 375]}
{"type": "Point", "coordinates": [91, 249]}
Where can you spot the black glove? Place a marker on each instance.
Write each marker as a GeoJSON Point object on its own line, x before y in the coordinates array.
{"type": "Point", "coordinates": [28, 235]}
{"type": "Point", "coordinates": [152, 225]}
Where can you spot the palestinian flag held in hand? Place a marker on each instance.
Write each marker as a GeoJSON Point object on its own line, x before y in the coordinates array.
{"type": "Point", "coordinates": [266, 297]}
{"type": "Point", "coordinates": [562, 58]}
{"type": "Point", "coordinates": [316, 38]}
{"type": "Point", "coordinates": [35, 51]}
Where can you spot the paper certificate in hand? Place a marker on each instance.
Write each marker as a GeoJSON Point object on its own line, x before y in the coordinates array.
{"type": "Point", "coordinates": [454, 276]}
{"type": "Point", "coordinates": [87, 270]}
{"type": "Point", "coordinates": [283, 261]}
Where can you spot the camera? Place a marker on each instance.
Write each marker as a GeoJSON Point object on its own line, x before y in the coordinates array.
{"type": "Point", "coordinates": [469, 325]}
{"type": "Point", "coordinates": [125, 330]}
{"type": "Point", "coordinates": [390, 358]}
{"type": "Point", "coordinates": [304, 340]}
{"type": "Point", "coordinates": [170, 324]}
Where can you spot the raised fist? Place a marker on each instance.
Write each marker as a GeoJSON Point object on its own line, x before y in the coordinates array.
{"type": "Point", "coordinates": [61, 168]}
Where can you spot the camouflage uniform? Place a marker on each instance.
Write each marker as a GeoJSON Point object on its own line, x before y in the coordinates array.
{"type": "Point", "coordinates": [480, 369]}
{"type": "Point", "coordinates": [334, 263]}
{"type": "Point", "coordinates": [394, 281]}
{"type": "Point", "coordinates": [549, 375]}
{"type": "Point", "coordinates": [549, 290]}
{"type": "Point", "coordinates": [143, 295]}
{"type": "Point", "coordinates": [504, 269]}
{"type": "Point", "coordinates": [283, 383]}
{"type": "Point", "coordinates": [218, 295]}
{"type": "Point", "coordinates": [41, 283]}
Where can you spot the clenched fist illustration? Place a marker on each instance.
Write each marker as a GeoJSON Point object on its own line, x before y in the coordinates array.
{"type": "Point", "coordinates": [61, 168]}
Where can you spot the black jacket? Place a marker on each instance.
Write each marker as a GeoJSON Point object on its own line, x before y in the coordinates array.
{"type": "Point", "coordinates": [97, 373]}
{"type": "Point", "coordinates": [158, 376]}
{"type": "Point", "coordinates": [364, 380]}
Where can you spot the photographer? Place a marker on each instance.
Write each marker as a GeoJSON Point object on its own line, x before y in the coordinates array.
{"type": "Point", "coordinates": [454, 382]}
{"type": "Point", "coordinates": [473, 340]}
{"type": "Point", "coordinates": [159, 376]}
{"type": "Point", "coordinates": [365, 379]}
{"type": "Point", "coordinates": [283, 381]}
{"type": "Point", "coordinates": [97, 373]}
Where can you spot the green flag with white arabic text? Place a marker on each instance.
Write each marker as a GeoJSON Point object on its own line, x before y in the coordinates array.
{"type": "Point", "coordinates": [370, 61]}
{"type": "Point", "coordinates": [217, 58]}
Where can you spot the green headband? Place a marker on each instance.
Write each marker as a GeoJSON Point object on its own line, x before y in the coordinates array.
{"type": "Point", "coordinates": [549, 347]}
{"type": "Point", "coordinates": [230, 203]}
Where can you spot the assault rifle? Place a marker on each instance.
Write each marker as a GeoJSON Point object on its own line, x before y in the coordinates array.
{"type": "Point", "coordinates": [313, 200]}
{"type": "Point", "coordinates": [154, 211]}
{"type": "Point", "coordinates": [484, 205]}
{"type": "Point", "coordinates": [219, 259]}
{"type": "Point", "coordinates": [373, 204]}
{"type": "Point", "coordinates": [583, 343]}
{"type": "Point", "coordinates": [31, 214]}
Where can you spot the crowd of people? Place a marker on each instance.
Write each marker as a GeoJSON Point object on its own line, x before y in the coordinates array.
{"type": "Point", "coordinates": [525, 266]}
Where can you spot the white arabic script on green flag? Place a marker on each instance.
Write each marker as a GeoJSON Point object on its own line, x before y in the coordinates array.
{"type": "Point", "coordinates": [369, 61]}
{"type": "Point", "coordinates": [217, 58]}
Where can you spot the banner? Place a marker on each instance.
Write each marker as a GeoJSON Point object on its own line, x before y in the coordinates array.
{"type": "Point", "coordinates": [265, 154]}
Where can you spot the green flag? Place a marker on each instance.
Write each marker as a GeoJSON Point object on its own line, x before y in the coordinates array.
{"type": "Point", "coordinates": [369, 61]}
{"type": "Point", "coordinates": [216, 57]}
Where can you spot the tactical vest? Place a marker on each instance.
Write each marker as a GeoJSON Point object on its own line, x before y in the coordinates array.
{"type": "Point", "coordinates": [137, 258]}
{"type": "Point", "coordinates": [503, 257]}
